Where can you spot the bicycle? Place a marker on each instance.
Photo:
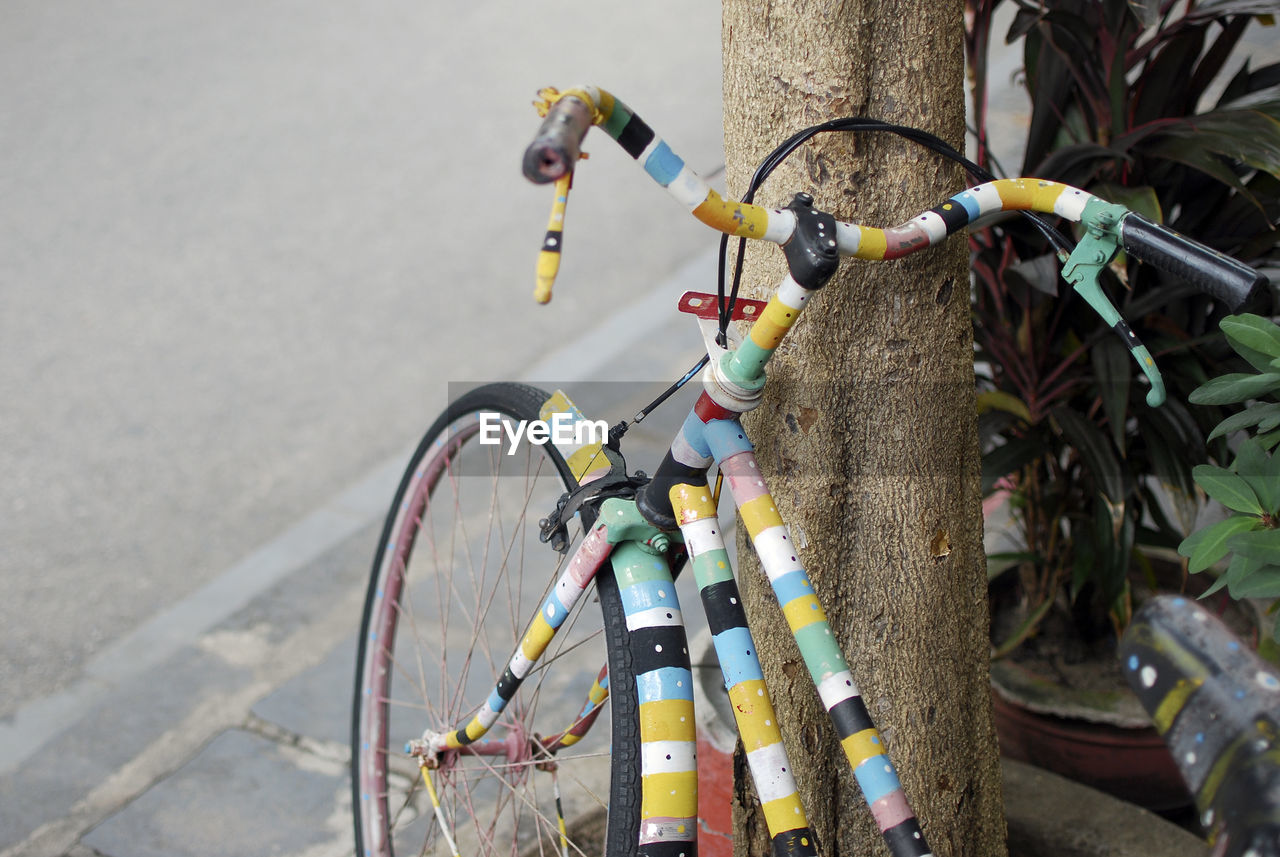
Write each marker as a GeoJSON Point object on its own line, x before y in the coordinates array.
{"type": "Point", "coordinates": [499, 752]}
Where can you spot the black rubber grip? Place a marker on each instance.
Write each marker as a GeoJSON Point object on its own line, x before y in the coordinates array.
{"type": "Point", "coordinates": [555, 150]}
{"type": "Point", "coordinates": [1224, 278]}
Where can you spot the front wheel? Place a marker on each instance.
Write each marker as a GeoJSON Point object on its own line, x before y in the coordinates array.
{"type": "Point", "coordinates": [458, 574]}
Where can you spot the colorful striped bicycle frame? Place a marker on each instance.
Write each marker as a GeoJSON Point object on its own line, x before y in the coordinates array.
{"type": "Point", "coordinates": [712, 434]}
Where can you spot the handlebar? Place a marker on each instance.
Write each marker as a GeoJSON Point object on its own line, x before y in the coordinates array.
{"type": "Point", "coordinates": [1215, 703]}
{"type": "Point", "coordinates": [1224, 278]}
{"type": "Point", "coordinates": [555, 151]}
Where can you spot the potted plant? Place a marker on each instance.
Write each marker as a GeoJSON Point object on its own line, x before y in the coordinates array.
{"type": "Point", "coordinates": [1244, 547]}
{"type": "Point", "coordinates": [1095, 481]}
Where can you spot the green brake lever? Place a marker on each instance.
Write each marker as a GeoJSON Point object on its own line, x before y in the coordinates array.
{"type": "Point", "coordinates": [1095, 251]}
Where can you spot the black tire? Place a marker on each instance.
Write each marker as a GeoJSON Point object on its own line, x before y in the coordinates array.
{"type": "Point", "coordinates": [446, 643]}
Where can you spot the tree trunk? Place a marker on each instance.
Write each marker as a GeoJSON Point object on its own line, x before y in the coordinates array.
{"type": "Point", "coordinates": [868, 433]}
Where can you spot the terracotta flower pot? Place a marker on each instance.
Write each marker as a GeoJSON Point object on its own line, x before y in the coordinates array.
{"type": "Point", "coordinates": [1104, 743]}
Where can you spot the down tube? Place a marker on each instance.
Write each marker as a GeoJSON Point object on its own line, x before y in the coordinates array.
{"type": "Point", "coordinates": [771, 770]}
{"type": "Point", "coordinates": [859, 738]}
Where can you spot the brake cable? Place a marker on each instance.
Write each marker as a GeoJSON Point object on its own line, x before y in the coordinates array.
{"type": "Point", "coordinates": [766, 168]}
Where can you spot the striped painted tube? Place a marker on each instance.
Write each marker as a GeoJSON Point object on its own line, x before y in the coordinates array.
{"type": "Point", "coordinates": [664, 684]}
{"type": "Point", "coordinates": [1217, 705]}
{"type": "Point", "coordinates": [745, 220]}
{"type": "Point", "coordinates": [860, 740]}
{"type": "Point", "coordinates": [746, 365]}
{"type": "Point", "coordinates": [743, 678]}
{"type": "Point", "coordinates": [552, 242]}
{"type": "Point", "coordinates": [669, 170]}
{"type": "Point", "coordinates": [587, 716]}
{"type": "Point", "coordinates": [577, 576]}
{"type": "Point", "coordinates": [933, 226]}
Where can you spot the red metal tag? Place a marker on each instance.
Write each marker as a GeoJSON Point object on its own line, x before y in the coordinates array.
{"type": "Point", "coordinates": [705, 305]}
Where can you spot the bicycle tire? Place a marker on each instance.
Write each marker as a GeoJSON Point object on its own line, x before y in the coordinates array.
{"type": "Point", "coordinates": [509, 807]}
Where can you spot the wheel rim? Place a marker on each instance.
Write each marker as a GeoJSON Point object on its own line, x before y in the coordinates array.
{"type": "Point", "coordinates": [460, 577]}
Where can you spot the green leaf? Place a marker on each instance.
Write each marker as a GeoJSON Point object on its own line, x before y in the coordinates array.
{"type": "Point", "coordinates": [1142, 199]}
{"type": "Point", "coordinates": [1269, 441]}
{"type": "Point", "coordinates": [1235, 387]}
{"type": "Point", "coordinates": [1008, 458]}
{"type": "Point", "coordinates": [1217, 584]}
{"type": "Point", "coordinates": [1262, 582]}
{"type": "Point", "coordinates": [1023, 630]}
{"type": "Point", "coordinates": [1096, 453]}
{"type": "Point", "coordinates": [1202, 142]}
{"type": "Point", "coordinates": [1262, 545]}
{"type": "Point", "coordinates": [1262, 473]}
{"type": "Point", "coordinates": [999, 400]}
{"type": "Point", "coordinates": [1255, 333]}
{"type": "Point", "coordinates": [1111, 369]}
{"type": "Point", "coordinates": [1227, 488]}
{"type": "Point", "coordinates": [1078, 163]}
{"type": "Point", "coordinates": [1206, 546]}
{"type": "Point", "coordinates": [1239, 569]}
{"type": "Point", "coordinates": [1251, 137]}
{"type": "Point", "coordinates": [1256, 415]}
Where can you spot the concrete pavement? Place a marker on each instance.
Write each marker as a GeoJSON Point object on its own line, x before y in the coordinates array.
{"type": "Point", "coordinates": [221, 726]}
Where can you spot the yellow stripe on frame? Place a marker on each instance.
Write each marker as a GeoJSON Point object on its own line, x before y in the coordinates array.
{"type": "Point", "coordinates": [803, 611]}
{"type": "Point", "coordinates": [873, 243]}
{"type": "Point", "coordinates": [759, 515]}
{"type": "Point", "coordinates": [670, 795]}
{"type": "Point", "coordinates": [667, 720]}
{"type": "Point", "coordinates": [692, 502]}
{"type": "Point", "coordinates": [537, 638]}
{"type": "Point", "coordinates": [783, 814]}
{"type": "Point", "coordinates": [1028, 194]}
{"type": "Point", "coordinates": [861, 746]}
{"type": "Point", "coordinates": [757, 723]}
{"type": "Point", "coordinates": [767, 334]}
{"type": "Point", "coordinates": [735, 218]}
{"type": "Point", "coordinates": [773, 324]}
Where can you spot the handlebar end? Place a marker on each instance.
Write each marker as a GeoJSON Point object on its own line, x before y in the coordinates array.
{"type": "Point", "coordinates": [555, 150]}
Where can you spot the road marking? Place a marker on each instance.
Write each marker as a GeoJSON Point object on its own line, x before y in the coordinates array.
{"type": "Point", "coordinates": [36, 722]}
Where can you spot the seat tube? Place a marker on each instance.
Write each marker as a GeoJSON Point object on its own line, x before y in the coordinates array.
{"type": "Point", "coordinates": [861, 742]}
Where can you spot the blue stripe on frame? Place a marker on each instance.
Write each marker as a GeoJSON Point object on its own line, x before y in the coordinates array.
{"type": "Point", "coordinates": [553, 611]}
{"type": "Point", "coordinates": [648, 594]}
{"type": "Point", "coordinates": [663, 164]}
{"type": "Point", "coordinates": [726, 438]}
{"type": "Point", "coordinates": [664, 683]}
{"type": "Point", "coordinates": [694, 432]}
{"type": "Point", "coordinates": [791, 586]}
{"type": "Point", "coordinates": [966, 200]}
{"type": "Point", "coordinates": [877, 778]}
{"type": "Point", "coordinates": [737, 653]}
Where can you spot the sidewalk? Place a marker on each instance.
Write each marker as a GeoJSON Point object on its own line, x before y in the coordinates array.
{"type": "Point", "coordinates": [234, 740]}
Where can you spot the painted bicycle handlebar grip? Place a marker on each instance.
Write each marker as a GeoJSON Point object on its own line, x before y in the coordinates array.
{"type": "Point", "coordinates": [555, 150]}
{"type": "Point", "coordinates": [1220, 276]}
{"type": "Point", "coordinates": [1217, 704]}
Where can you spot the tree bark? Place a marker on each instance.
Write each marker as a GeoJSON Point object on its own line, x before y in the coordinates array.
{"type": "Point", "coordinates": [868, 432]}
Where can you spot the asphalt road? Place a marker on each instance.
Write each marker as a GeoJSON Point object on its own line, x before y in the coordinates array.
{"type": "Point", "coordinates": [246, 247]}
